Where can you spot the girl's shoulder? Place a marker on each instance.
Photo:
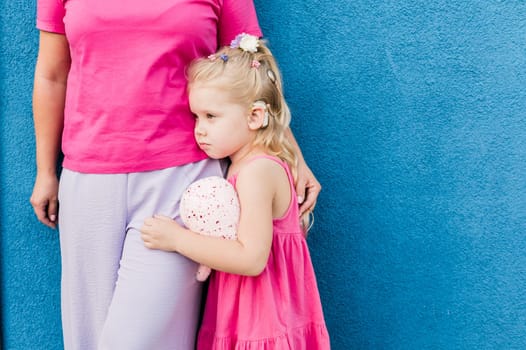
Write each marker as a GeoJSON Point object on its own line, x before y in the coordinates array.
{"type": "Point", "coordinates": [268, 178]}
{"type": "Point", "coordinates": [268, 173]}
{"type": "Point", "coordinates": [259, 165]}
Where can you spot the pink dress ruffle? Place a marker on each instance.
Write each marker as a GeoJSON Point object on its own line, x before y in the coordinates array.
{"type": "Point", "coordinates": [310, 337]}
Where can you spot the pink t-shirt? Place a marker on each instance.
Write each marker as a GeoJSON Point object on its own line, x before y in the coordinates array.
{"type": "Point", "coordinates": [126, 103]}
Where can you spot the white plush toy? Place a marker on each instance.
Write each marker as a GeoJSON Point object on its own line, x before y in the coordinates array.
{"type": "Point", "coordinates": [210, 206]}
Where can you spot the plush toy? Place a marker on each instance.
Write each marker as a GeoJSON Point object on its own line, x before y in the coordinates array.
{"type": "Point", "coordinates": [210, 206]}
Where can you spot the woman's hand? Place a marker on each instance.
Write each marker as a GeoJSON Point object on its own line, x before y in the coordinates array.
{"type": "Point", "coordinates": [307, 188]}
{"type": "Point", "coordinates": [45, 199]}
{"type": "Point", "coordinates": [159, 232]}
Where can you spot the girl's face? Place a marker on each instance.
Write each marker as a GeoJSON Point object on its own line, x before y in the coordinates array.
{"type": "Point", "coordinates": [221, 127]}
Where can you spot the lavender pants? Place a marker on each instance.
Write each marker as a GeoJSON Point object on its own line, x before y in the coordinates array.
{"type": "Point", "coordinates": [116, 293]}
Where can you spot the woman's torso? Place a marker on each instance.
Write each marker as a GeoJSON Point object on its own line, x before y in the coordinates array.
{"type": "Point", "coordinates": [126, 105]}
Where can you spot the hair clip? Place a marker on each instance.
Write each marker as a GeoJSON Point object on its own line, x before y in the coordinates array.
{"type": "Point", "coordinates": [263, 105]}
{"type": "Point", "coordinates": [245, 42]}
{"type": "Point", "coordinates": [224, 57]}
{"type": "Point", "coordinates": [212, 57]}
{"type": "Point", "coordinates": [255, 64]}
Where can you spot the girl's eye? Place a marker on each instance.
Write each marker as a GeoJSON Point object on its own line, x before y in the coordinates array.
{"type": "Point", "coordinates": [210, 116]}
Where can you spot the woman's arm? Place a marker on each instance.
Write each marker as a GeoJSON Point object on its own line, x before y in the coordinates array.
{"type": "Point", "coordinates": [49, 93]}
{"type": "Point", "coordinates": [307, 187]}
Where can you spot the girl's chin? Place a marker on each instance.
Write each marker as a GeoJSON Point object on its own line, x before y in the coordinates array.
{"type": "Point", "coordinates": [214, 155]}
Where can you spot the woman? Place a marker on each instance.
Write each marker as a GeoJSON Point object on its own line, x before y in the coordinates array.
{"type": "Point", "coordinates": [109, 92]}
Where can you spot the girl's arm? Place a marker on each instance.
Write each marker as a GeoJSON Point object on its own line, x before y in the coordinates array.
{"type": "Point", "coordinates": [49, 92]}
{"type": "Point", "coordinates": [307, 187]}
{"type": "Point", "coordinates": [257, 186]}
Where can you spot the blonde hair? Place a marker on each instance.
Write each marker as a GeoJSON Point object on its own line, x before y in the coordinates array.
{"type": "Point", "coordinates": [251, 77]}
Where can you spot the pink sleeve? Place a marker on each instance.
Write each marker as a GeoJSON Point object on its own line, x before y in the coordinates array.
{"type": "Point", "coordinates": [50, 16]}
{"type": "Point", "coordinates": [237, 16]}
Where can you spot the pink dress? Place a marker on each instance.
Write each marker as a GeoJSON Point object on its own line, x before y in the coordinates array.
{"type": "Point", "coordinates": [278, 309]}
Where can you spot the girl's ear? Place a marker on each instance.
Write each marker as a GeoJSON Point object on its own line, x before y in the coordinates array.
{"type": "Point", "coordinates": [258, 117]}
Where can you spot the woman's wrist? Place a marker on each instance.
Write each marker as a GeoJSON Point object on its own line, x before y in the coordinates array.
{"type": "Point", "coordinates": [47, 171]}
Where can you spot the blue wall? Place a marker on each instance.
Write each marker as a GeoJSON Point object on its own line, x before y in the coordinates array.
{"type": "Point", "coordinates": [30, 262]}
{"type": "Point", "coordinates": [413, 117]}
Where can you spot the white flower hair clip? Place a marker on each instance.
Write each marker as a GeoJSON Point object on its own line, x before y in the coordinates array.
{"type": "Point", "coordinates": [245, 42]}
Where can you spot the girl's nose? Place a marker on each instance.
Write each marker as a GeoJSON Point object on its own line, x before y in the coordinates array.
{"type": "Point", "coordinates": [198, 130]}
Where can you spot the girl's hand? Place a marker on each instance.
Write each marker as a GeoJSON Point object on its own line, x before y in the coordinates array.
{"type": "Point", "coordinates": [45, 199]}
{"type": "Point", "coordinates": [307, 188]}
{"type": "Point", "coordinates": [159, 232]}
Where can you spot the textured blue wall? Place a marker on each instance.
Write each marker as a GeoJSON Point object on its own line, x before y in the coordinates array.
{"type": "Point", "coordinates": [413, 117]}
{"type": "Point", "coordinates": [30, 261]}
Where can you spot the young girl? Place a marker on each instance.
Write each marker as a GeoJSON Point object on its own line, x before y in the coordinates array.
{"type": "Point", "coordinates": [264, 293]}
